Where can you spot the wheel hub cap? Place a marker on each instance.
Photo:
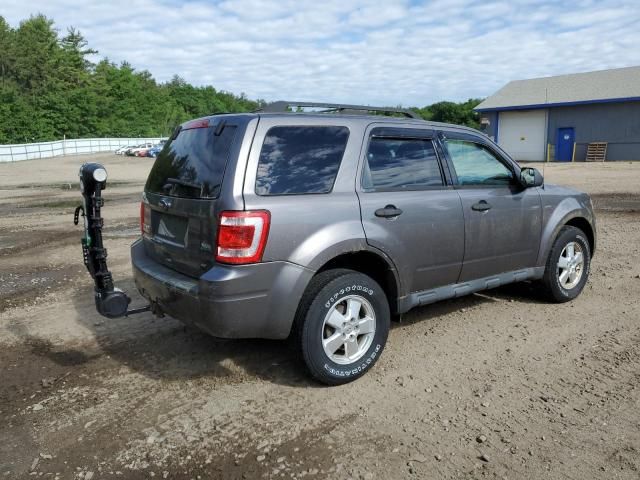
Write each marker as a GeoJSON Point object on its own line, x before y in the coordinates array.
{"type": "Point", "coordinates": [348, 329]}
{"type": "Point", "coordinates": [570, 265]}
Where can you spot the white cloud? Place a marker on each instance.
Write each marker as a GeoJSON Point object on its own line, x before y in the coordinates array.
{"type": "Point", "coordinates": [363, 51]}
{"type": "Point", "coordinates": [376, 15]}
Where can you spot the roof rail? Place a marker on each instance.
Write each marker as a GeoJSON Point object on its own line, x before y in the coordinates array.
{"type": "Point", "coordinates": [284, 106]}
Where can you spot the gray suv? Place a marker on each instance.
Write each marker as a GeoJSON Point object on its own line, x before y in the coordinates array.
{"type": "Point", "coordinates": [319, 227]}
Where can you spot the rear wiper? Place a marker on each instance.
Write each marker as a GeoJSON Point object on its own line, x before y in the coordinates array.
{"type": "Point", "coordinates": [182, 183]}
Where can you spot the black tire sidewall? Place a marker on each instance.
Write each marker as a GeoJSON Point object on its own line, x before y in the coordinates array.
{"type": "Point", "coordinates": [569, 234]}
{"type": "Point", "coordinates": [320, 365]}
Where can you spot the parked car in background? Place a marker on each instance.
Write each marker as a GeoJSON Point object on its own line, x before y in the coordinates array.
{"type": "Point", "coordinates": [129, 151]}
{"type": "Point", "coordinates": [141, 152]}
{"type": "Point", "coordinates": [122, 150]}
{"type": "Point", "coordinates": [134, 152]}
{"type": "Point", "coordinates": [155, 150]}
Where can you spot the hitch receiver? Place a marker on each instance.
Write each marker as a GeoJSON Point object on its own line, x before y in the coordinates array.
{"type": "Point", "coordinates": [111, 302]}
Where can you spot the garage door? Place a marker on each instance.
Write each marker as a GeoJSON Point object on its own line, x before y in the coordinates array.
{"type": "Point", "coordinates": [522, 134]}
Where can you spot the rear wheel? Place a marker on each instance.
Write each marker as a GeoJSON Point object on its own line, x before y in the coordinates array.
{"type": "Point", "coordinates": [568, 264]}
{"type": "Point", "coordinates": [341, 326]}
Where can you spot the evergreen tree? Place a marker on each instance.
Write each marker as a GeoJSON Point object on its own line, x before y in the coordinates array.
{"type": "Point", "coordinates": [49, 87]}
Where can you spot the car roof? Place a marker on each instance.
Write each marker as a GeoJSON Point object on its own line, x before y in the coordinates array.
{"type": "Point", "coordinates": [361, 117]}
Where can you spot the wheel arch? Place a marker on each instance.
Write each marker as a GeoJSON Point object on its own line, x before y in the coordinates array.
{"type": "Point", "coordinates": [584, 225]}
{"type": "Point", "coordinates": [373, 264]}
{"type": "Point", "coordinates": [572, 211]}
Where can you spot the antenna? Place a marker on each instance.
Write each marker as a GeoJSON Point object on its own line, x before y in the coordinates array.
{"type": "Point", "coordinates": [546, 126]}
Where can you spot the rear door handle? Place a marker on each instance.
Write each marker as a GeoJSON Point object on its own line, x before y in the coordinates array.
{"type": "Point", "coordinates": [481, 206]}
{"type": "Point", "coordinates": [389, 211]}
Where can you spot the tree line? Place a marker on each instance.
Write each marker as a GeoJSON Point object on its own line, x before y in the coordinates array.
{"type": "Point", "coordinates": [49, 88]}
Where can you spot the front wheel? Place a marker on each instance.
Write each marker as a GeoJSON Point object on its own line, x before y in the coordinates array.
{"type": "Point", "coordinates": [341, 326]}
{"type": "Point", "coordinates": [568, 264]}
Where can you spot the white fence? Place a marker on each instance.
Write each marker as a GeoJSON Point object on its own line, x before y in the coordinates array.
{"type": "Point", "coordinates": [28, 151]}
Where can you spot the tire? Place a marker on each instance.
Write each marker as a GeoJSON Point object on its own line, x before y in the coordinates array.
{"type": "Point", "coordinates": [323, 314]}
{"type": "Point", "coordinates": [558, 286]}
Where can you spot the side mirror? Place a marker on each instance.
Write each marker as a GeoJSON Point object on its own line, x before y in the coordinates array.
{"type": "Point", "coordinates": [531, 177]}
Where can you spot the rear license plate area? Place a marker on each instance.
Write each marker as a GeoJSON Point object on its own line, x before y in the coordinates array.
{"type": "Point", "coordinates": [171, 228]}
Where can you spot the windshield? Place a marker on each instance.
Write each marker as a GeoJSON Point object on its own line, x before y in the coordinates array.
{"type": "Point", "coordinates": [192, 165]}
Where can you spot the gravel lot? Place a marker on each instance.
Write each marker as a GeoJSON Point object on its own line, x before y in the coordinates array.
{"type": "Point", "coordinates": [498, 384]}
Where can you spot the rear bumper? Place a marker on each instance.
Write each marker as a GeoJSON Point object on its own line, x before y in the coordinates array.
{"type": "Point", "coordinates": [239, 301]}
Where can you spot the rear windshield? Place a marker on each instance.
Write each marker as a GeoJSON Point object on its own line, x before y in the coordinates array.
{"type": "Point", "coordinates": [192, 165]}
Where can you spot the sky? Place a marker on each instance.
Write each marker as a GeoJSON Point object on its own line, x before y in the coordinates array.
{"type": "Point", "coordinates": [385, 52]}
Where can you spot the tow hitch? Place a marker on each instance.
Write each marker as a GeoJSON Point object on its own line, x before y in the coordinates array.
{"type": "Point", "coordinates": [111, 302]}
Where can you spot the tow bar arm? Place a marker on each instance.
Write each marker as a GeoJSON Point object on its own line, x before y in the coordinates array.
{"type": "Point", "coordinates": [111, 302]}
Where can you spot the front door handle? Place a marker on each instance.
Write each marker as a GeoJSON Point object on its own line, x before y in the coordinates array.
{"type": "Point", "coordinates": [481, 206]}
{"type": "Point", "coordinates": [389, 211]}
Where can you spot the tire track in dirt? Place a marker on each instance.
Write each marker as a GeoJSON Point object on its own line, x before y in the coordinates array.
{"type": "Point", "coordinates": [142, 395]}
{"type": "Point", "coordinates": [14, 242]}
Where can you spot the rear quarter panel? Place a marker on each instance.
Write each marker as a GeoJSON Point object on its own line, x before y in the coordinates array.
{"type": "Point", "coordinates": [310, 229]}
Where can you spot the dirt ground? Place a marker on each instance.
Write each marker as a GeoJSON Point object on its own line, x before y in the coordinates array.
{"type": "Point", "coordinates": [498, 384]}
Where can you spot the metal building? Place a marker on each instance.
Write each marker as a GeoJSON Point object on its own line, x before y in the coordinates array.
{"type": "Point", "coordinates": [594, 115]}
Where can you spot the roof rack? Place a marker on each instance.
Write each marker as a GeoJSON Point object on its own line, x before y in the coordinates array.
{"type": "Point", "coordinates": [284, 106]}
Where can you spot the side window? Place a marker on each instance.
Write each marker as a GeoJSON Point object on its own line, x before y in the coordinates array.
{"type": "Point", "coordinates": [476, 165]}
{"type": "Point", "coordinates": [299, 160]}
{"type": "Point", "coordinates": [401, 164]}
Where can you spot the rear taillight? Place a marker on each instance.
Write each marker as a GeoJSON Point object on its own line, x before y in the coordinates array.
{"type": "Point", "coordinates": [242, 236]}
{"type": "Point", "coordinates": [145, 218]}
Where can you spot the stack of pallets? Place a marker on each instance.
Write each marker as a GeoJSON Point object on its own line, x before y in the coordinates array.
{"type": "Point", "coordinates": [596, 152]}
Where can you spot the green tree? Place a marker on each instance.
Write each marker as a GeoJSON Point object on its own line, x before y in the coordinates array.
{"type": "Point", "coordinates": [451, 112]}
{"type": "Point", "coordinates": [6, 51]}
{"type": "Point", "coordinates": [49, 87]}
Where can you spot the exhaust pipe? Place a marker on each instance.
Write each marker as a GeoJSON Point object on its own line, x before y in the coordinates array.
{"type": "Point", "coordinates": [111, 302]}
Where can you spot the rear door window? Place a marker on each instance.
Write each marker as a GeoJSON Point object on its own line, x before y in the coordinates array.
{"type": "Point", "coordinates": [401, 164]}
{"type": "Point", "coordinates": [193, 164]}
{"type": "Point", "coordinates": [300, 159]}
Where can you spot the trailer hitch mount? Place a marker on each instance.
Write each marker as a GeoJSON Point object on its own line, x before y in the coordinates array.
{"type": "Point", "coordinates": [111, 302]}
